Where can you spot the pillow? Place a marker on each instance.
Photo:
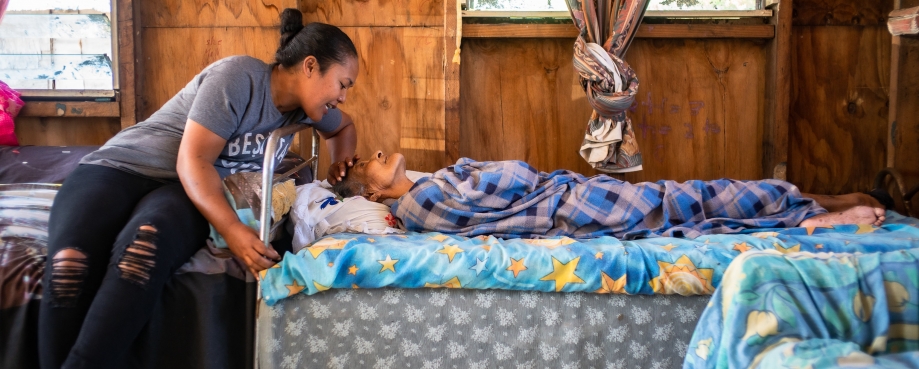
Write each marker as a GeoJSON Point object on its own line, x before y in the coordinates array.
{"type": "Point", "coordinates": [243, 191]}
{"type": "Point", "coordinates": [318, 212]}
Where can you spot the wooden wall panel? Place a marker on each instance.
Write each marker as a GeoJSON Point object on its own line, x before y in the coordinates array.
{"type": "Point", "coordinates": [66, 131]}
{"type": "Point", "coordinates": [519, 99]}
{"type": "Point", "coordinates": [213, 13]}
{"type": "Point", "coordinates": [841, 12]}
{"type": "Point", "coordinates": [906, 130]}
{"type": "Point", "coordinates": [838, 123]}
{"type": "Point", "coordinates": [698, 114]}
{"type": "Point", "coordinates": [350, 13]}
{"type": "Point", "coordinates": [398, 99]}
{"type": "Point", "coordinates": [700, 108]}
{"type": "Point", "coordinates": [173, 56]}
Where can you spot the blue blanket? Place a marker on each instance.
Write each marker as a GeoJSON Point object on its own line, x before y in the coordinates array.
{"type": "Point", "coordinates": [512, 199]}
{"type": "Point", "coordinates": [812, 310]}
{"type": "Point", "coordinates": [659, 265]}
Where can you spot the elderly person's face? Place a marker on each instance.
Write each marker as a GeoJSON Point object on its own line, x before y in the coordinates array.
{"type": "Point", "coordinates": [380, 172]}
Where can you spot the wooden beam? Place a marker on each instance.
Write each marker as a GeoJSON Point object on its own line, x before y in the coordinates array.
{"type": "Point", "coordinates": [764, 31]}
{"type": "Point", "coordinates": [127, 76]}
{"type": "Point", "coordinates": [894, 78]}
{"type": "Point", "coordinates": [70, 109]}
{"type": "Point", "coordinates": [453, 28]}
{"type": "Point", "coordinates": [778, 93]}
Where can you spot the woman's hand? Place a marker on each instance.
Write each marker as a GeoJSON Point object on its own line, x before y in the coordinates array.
{"type": "Point", "coordinates": [340, 168]}
{"type": "Point", "coordinates": [245, 244]}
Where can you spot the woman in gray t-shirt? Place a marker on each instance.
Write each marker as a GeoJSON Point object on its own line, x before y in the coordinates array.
{"type": "Point", "coordinates": [138, 208]}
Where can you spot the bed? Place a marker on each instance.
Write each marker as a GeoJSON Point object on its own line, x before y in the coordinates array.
{"type": "Point", "coordinates": [432, 300]}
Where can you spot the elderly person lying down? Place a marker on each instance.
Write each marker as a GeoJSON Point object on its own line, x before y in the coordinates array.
{"type": "Point", "coordinates": [512, 199]}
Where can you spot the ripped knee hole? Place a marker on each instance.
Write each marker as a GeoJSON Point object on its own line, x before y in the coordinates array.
{"type": "Point", "coordinates": [69, 268]}
{"type": "Point", "coordinates": [139, 257]}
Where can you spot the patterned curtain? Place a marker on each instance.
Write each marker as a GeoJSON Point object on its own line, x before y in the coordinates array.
{"type": "Point", "coordinates": [607, 28]}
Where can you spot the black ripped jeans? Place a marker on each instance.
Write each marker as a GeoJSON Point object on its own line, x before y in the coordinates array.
{"type": "Point", "coordinates": [114, 240]}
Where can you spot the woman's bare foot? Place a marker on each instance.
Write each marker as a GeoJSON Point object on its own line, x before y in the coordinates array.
{"type": "Point", "coordinates": [860, 214]}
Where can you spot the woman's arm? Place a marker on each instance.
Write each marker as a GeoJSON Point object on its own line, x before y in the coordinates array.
{"type": "Point", "coordinates": [342, 143]}
{"type": "Point", "coordinates": [197, 154]}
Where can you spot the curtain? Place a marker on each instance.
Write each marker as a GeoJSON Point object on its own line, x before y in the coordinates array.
{"type": "Point", "coordinates": [3, 4]}
{"type": "Point", "coordinates": [607, 27]}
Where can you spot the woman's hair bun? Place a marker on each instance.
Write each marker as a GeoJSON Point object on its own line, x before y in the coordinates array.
{"type": "Point", "coordinates": [291, 22]}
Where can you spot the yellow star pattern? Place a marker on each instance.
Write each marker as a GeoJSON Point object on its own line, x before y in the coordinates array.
{"type": "Point", "coordinates": [486, 247]}
{"type": "Point", "coordinates": [450, 251]}
{"type": "Point", "coordinates": [742, 247]}
{"type": "Point", "coordinates": [516, 266]}
{"type": "Point", "coordinates": [598, 255]}
{"type": "Point", "coordinates": [353, 270]}
{"type": "Point", "coordinates": [440, 237]}
{"type": "Point", "coordinates": [327, 244]}
{"type": "Point", "coordinates": [354, 286]}
{"type": "Point", "coordinates": [683, 277]}
{"type": "Point", "coordinates": [452, 283]}
{"type": "Point", "coordinates": [865, 228]}
{"type": "Point", "coordinates": [785, 250]}
{"type": "Point", "coordinates": [609, 285]}
{"type": "Point", "coordinates": [320, 287]}
{"type": "Point", "coordinates": [765, 235]}
{"type": "Point", "coordinates": [389, 263]}
{"type": "Point", "coordinates": [563, 274]}
{"type": "Point", "coordinates": [818, 246]}
{"type": "Point", "coordinates": [668, 247]}
{"type": "Point", "coordinates": [810, 230]}
{"type": "Point", "coordinates": [294, 288]}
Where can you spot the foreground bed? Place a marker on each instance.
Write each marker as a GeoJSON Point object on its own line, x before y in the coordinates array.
{"type": "Point", "coordinates": [429, 300]}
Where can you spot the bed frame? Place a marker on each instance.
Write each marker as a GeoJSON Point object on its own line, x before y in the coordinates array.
{"type": "Point", "coordinates": [268, 181]}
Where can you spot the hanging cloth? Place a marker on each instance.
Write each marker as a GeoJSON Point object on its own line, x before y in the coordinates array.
{"type": "Point", "coordinates": [609, 82]}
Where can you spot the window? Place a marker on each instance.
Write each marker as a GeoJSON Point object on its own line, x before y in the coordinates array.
{"type": "Point", "coordinates": [58, 48]}
{"type": "Point", "coordinates": [655, 5]}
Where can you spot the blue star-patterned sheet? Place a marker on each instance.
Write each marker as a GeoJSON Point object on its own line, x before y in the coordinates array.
{"type": "Point", "coordinates": [660, 265]}
{"type": "Point", "coordinates": [812, 310]}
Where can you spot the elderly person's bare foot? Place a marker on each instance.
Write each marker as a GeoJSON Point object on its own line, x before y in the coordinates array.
{"type": "Point", "coordinates": [852, 208]}
{"type": "Point", "coordinates": [855, 215]}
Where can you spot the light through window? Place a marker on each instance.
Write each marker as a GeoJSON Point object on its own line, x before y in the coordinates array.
{"type": "Point", "coordinates": [57, 45]}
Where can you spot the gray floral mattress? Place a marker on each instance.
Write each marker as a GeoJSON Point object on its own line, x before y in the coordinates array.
{"type": "Point", "coordinates": [457, 328]}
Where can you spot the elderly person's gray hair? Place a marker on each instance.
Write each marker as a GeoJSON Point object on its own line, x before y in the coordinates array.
{"type": "Point", "coordinates": [349, 186]}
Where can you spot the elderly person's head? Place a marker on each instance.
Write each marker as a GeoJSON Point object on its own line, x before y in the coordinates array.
{"type": "Point", "coordinates": [379, 178]}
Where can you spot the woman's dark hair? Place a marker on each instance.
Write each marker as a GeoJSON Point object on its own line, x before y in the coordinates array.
{"type": "Point", "coordinates": [327, 43]}
{"type": "Point", "coordinates": [349, 186]}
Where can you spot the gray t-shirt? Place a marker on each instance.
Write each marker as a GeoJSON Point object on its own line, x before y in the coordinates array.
{"type": "Point", "coordinates": [232, 98]}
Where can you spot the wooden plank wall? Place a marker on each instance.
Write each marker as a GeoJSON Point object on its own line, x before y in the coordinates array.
{"type": "Point", "coordinates": [840, 79]}
{"type": "Point", "coordinates": [904, 135]}
{"type": "Point", "coordinates": [698, 114]}
{"type": "Point", "coordinates": [65, 131]}
{"type": "Point", "coordinates": [398, 99]}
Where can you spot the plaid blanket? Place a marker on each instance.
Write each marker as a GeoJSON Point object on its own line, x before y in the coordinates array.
{"type": "Point", "coordinates": [511, 199]}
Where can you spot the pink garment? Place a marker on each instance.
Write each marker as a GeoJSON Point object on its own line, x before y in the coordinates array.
{"type": "Point", "coordinates": [10, 103]}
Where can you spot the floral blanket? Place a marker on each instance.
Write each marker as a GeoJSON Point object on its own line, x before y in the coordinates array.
{"type": "Point", "coordinates": [660, 265]}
